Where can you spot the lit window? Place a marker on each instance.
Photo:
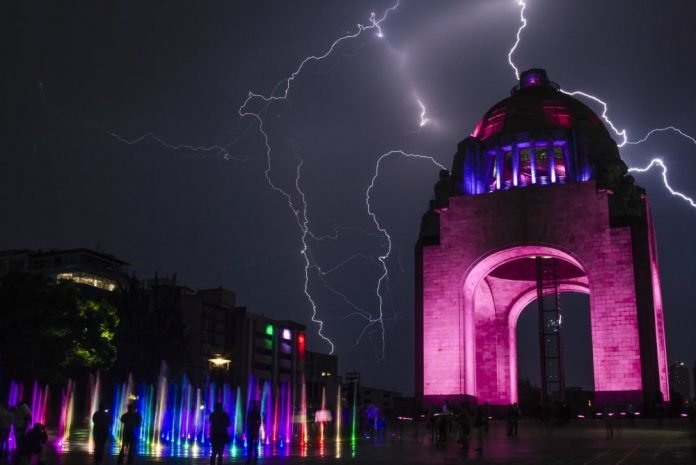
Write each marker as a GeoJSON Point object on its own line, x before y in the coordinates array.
{"type": "Point", "coordinates": [507, 169]}
{"type": "Point", "coordinates": [541, 156]}
{"type": "Point", "coordinates": [493, 178]}
{"type": "Point", "coordinates": [525, 168]}
{"type": "Point", "coordinates": [494, 123]}
{"type": "Point", "coordinates": [301, 343]}
{"type": "Point", "coordinates": [557, 114]}
{"type": "Point", "coordinates": [286, 334]}
{"type": "Point", "coordinates": [88, 279]}
{"type": "Point", "coordinates": [559, 164]}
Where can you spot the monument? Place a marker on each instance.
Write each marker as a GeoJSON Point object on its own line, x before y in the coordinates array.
{"type": "Point", "coordinates": [538, 202]}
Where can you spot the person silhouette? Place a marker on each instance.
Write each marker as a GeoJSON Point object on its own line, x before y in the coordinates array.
{"type": "Point", "coordinates": [131, 422]}
{"type": "Point", "coordinates": [33, 445]}
{"type": "Point", "coordinates": [219, 423]}
{"type": "Point", "coordinates": [101, 421]}
{"type": "Point", "coordinates": [21, 420]}
{"type": "Point", "coordinates": [5, 424]}
{"type": "Point", "coordinates": [253, 424]}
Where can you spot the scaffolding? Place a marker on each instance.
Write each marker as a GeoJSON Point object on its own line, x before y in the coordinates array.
{"type": "Point", "coordinates": [550, 347]}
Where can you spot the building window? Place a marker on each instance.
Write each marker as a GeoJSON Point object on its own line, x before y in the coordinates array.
{"type": "Point", "coordinates": [88, 279]}
{"type": "Point", "coordinates": [525, 167]}
{"type": "Point", "coordinates": [493, 177]}
{"type": "Point", "coordinates": [494, 123]}
{"type": "Point", "coordinates": [507, 170]}
{"type": "Point", "coordinates": [559, 164]}
{"type": "Point", "coordinates": [541, 156]}
{"type": "Point", "coordinates": [557, 114]}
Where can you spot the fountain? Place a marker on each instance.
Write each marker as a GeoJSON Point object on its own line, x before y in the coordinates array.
{"type": "Point", "coordinates": [175, 414]}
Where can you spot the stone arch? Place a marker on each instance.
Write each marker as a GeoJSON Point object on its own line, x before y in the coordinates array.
{"type": "Point", "coordinates": [514, 315]}
{"type": "Point", "coordinates": [490, 357]}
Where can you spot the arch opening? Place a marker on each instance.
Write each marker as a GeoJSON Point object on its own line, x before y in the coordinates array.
{"type": "Point", "coordinates": [495, 292]}
{"type": "Point", "coordinates": [577, 353]}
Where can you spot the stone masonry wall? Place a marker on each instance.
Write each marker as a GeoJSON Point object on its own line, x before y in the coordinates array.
{"type": "Point", "coordinates": [572, 219]}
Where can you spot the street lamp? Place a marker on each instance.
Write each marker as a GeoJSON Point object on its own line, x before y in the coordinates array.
{"type": "Point", "coordinates": [219, 361]}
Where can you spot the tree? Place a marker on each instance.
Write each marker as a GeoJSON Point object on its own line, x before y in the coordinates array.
{"type": "Point", "coordinates": [50, 331]}
{"type": "Point", "coordinates": [151, 331]}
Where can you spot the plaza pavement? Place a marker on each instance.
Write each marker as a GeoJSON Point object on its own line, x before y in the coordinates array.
{"type": "Point", "coordinates": [581, 443]}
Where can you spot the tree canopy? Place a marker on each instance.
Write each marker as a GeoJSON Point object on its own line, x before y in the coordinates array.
{"type": "Point", "coordinates": [51, 330]}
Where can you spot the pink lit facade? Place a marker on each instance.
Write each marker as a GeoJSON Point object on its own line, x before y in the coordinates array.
{"type": "Point", "coordinates": [475, 275]}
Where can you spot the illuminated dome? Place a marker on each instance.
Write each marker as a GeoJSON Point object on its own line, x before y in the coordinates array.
{"type": "Point", "coordinates": [537, 136]}
{"type": "Point", "coordinates": [536, 104]}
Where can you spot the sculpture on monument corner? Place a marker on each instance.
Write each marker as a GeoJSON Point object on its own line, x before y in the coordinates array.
{"type": "Point", "coordinates": [443, 190]}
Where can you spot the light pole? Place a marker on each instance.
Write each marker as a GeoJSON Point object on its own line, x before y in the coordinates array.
{"type": "Point", "coordinates": [219, 361]}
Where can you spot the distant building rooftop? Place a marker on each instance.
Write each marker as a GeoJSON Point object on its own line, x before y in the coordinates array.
{"type": "Point", "coordinates": [82, 266]}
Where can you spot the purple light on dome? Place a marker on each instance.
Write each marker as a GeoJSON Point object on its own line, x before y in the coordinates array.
{"type": "Point", "coordinates": [477, 129]}
{"type": "Point", "coordinates": [530, 79]}
{"type": "Point", "coordinates": [533, 77]}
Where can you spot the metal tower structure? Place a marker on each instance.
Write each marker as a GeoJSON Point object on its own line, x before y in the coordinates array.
{"type": "Point", "coordinates": [550, 347]}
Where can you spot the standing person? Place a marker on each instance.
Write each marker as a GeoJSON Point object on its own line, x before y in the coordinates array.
{"type": "Point", "coordinates": [21, 420]}
{"type": "Point", "coordinates": [432, 423]}
{"type": "Point", "coordinates": [33, 444]}
{"type": "Point", "coordinates": [100, 431]}
{"type": "Point", "coordinates": [609, 421]}
{"type": "Point", "coordinates": [513, 415]}
{"type": "Point", "coordinates": [371, 412]}
{"type": "Point", "coordinates": [631, 411]}
{"type": "Point", "coordinates": [441, 428]}
{"type": "Point", "coordinates": [464, 427]}
{"type": "Point", "coordinates": [253, 424]}
{"type": "Point", "coordinates": [5, 424]}
{"type": "Point", "coordinates": [446, 418]}
{"type": "Point", "coordinates": [479, 425]}
{"type": "Point", "coordinates": [131, 422]}
{"type": "Point", "coordinates": [219, 423]}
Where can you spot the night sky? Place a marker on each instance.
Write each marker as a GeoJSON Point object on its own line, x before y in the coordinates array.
{"type": "Point", "coordinates": [82, 80]}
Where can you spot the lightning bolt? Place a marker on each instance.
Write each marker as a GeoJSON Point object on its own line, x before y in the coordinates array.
{"type": "Point", "coordinates": [286, 83]}
{"type": "Point", "coordinates": [305, 252]}
{"type": "Point", "coordinates": [384, 257]}
{"type": "Point", "coordinates": [655, 131]}
{"type": "Point", "coordinates": [296, 200]}
{"type": "Point", "coordinates": [621, 133]}
{"type": "Point", "coordinates": [285, 86]}
{"type": "Point", "coordinates": [605, 108]}
{"type": "Point", "coordinates": [658, 162]}
{"type": "Point", "coordinates": [523, 24]}
{"type": "Point", "coordinates": [423, 119]}
{"type": "Point", "coordinates": [214, 150]}
{"type": "Point", "coordinates": [280, 93]}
